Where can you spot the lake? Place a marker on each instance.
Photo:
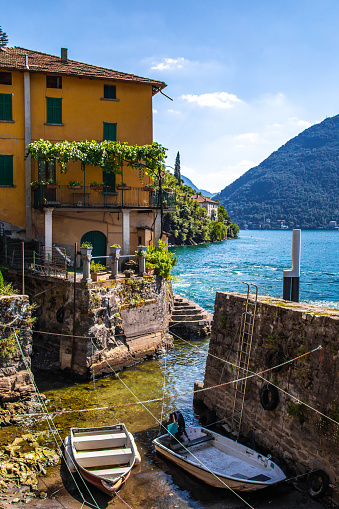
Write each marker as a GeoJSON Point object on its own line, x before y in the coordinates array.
{"type": "Point", "coordinates": [258, 257]}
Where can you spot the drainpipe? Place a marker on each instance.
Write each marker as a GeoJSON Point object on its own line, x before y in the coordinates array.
{"type": "Point", "coordinates": [28, 170]}
{"type": "Point", "coordinates": [291, 277]}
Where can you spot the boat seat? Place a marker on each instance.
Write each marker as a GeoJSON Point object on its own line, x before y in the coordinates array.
{"type": "Point", "coordinates": [111, 472]}
{"type": "Point", "coordinates": [103, 457]}
{"type": "Point", "coordinates": [100, 441]}
{"type": "Point", "coordinates": [195, 441]}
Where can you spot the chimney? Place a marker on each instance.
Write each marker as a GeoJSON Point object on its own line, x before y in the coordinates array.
{"type": "Point", "coordinates": [64, 55]}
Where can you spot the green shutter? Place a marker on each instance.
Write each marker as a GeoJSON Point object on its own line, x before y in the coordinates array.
{"type": "Point", "coordinates": [54, 110]}
{"type": "Point", "coordinates": [6, 170]}
{"type": "Point", "coordinates": [110, 92]}
{"type": "Point", "coordinates": [110, 131]}
{"type": "Point", "coordinates": [5, 106]}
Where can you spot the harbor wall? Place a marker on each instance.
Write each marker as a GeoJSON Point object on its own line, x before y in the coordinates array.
{"type": "Point", "coordinates": [118, 323]}
{"type": "Point", "coordinates": [15, 382]}
{"type": "Point", "coordinates": [305, 438]}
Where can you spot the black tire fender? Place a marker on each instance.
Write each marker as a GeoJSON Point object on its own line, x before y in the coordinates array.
{"type": "Point", "coordinates": [317, 483]}
{"type": "Point", "coordinates": [269, 397]}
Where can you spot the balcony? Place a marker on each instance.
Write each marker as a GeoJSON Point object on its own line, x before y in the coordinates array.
{"type": "Point", "coordinates": [87, 198]}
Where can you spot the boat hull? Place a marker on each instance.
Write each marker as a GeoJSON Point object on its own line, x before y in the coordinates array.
{"type": "Point", "coordinates": [192, 461]}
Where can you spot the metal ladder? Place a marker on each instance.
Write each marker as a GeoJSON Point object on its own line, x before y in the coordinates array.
{"type": "Point", "coordinates": [243, 359]}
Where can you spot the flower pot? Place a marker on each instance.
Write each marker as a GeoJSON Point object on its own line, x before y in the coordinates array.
{"type": "Point", "coordinates": [34, 188]}
{"type": "Point", "coordinates": [150, 271]}
{"type": "Point", "coordinates": [52, 186]}
{"type": "Point", "coordinates": [97, 188]}
{"type": "Point", "coordinates": [123, 188]}
{"type": "Point", "coordinates": [74, 187]}
{"type": "Point", "coordinates": [95, 275]}
{"type": "Point", "coordinates": [148, 189]}
{"type": "Point", "coordinates": [86, 251]}
{"type": "Point", "coordinates": [114, 250]}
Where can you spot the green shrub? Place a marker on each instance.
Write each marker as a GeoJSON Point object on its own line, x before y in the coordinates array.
{"type": "Point", "coordinates": [162, 260]}
{"type": "Point", "coordinates": [97, 267]}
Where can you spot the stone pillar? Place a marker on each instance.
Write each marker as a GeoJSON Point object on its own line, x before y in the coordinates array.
{"type": "Point", "coordinates": [125, 232]}
{"type": "Point", "coordinates": [157, 227]}
{"type": "Point", "coordinates": [114, 266]}
{"type": "Point", "coordinates": [142, 263]}
{"type": "Point", "coordinates": [86, 256]}
{"type": "Point", "coordinates": [48, 234]}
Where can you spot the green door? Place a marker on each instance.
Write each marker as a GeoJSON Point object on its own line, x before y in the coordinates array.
{"type": "Point", "coordinates": [99, 243]}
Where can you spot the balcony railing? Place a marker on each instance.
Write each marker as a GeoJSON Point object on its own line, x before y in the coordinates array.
{"type": "Point", "coordinates": [87, 197]}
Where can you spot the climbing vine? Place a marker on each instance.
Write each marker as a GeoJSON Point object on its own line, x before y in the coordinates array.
{"type": "Point", "coordinates": [109, 155]}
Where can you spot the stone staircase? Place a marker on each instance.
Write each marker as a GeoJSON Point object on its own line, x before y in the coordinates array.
{"type": "Point", "coordinates": [189, 320]}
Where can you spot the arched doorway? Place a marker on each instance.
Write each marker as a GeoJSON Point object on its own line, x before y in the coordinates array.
{"type": "Point", "coordinates": [99, 243]}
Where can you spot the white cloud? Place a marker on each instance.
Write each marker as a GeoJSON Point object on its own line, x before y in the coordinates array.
{"type": "Point", "coordinates": [298, 122]}
{"type": "Point", "coordinates": [170, 64]}
{"type": "Point", "coordinates": [175, 112]}
{"type": "Point", "coordinates": [155, 111]}
{"type": "Point", "coordinates": [218, 100]}
{"type": "Point", "coordinates": [249, 137]}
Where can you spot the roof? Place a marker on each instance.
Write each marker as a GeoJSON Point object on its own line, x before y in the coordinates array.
{"type": "Point", "coordinates": [15, 59]}
{"type": "Point", "coordinates": [202, 199]}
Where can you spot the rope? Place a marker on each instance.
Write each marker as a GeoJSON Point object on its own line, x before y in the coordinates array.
{"type": "Point", "coordinates": [205, 466]}
{"type": "Point", "coordinates": [55, 431]}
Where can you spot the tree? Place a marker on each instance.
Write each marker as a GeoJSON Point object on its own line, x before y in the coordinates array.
{"type": "Point", "coordinates": [3, 38]}
{"type": "Point", "coordinates": [177, 172]}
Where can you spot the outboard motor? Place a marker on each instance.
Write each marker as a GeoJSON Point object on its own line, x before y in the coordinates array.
{"type": "Point", "coordinates": [178, 418]}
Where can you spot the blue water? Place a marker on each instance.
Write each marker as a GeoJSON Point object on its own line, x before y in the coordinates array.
{"type": "Point", "coordinates": [260, 257]}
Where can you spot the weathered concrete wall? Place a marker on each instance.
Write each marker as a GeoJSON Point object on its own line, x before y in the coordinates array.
{"type": "Point", "coordinates": [15, 382]}
{"type": "Point", "coordinates": [127, 320]}
{"type": "Point", "coordinates": [303, 437]}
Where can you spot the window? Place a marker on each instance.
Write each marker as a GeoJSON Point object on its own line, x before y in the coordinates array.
{"type": "Point", "coordinates": [110, 133]}
{"type": "Point", "coordinates": [110, 92]}
{"type": "Point", "coordinates": [6, 170]}
{"type": "Point", "coordinates": [54, 81]}
{"type": "Point", "coordinates": [54, 110]}
{"type": "Point", "coordinates": [47, 170]}
{"type": "Point", "coordinates": [5, 78]}
{"type": "Point", "coordinates": [5, 106]}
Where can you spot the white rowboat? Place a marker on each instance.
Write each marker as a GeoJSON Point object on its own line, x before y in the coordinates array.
{"type": "Point", "coordinates": [104, 456]}
{"type": "Point", "coordinates": [219, 461]}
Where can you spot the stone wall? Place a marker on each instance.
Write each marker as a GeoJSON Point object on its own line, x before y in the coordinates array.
{"type": "Point", "coordinates": [127, 319]}
{"type": "Point", "coordinates": [304, 438]}
{"type": "Point", "coordinates": [15, 382]}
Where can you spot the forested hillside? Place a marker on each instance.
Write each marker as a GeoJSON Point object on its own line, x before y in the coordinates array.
{"type": "Point", "coordinates": [298, 183]}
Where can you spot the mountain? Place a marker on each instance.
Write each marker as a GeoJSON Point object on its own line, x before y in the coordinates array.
{"type": "Point", "coordinates": [189, 183]}
{"type": "Point", "coordinates": [297, 184]}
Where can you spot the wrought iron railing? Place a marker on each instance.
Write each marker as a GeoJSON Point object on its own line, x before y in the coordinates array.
{"type": "Point", "coordinates": [88, 197]}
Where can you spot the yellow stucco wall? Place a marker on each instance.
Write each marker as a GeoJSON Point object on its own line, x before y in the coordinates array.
{"type": "Point", "coordinates": [83, 114]}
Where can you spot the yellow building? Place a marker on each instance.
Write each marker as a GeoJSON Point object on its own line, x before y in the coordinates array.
{"type": "Point", "coordinates": [53, 98]}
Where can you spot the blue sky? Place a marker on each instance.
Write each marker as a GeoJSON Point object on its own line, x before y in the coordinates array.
{"type": "Point", "coordinates": [245, 76]}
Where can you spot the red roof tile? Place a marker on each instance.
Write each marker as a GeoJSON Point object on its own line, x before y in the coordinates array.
{"type": "Point", "coordinates": [202, 199]}
{"type": "Point", "coordinates": [15, 59]}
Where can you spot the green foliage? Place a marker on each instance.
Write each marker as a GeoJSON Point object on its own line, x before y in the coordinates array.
{"type": "Point", "coordinates": [111, 156]}
{"type": "Point", "coordinates": [8, 346]}
{"type": "Point", "coordinates": [97, 267]}
{"type": "Point", "coordinates": [297, 410]}
{"type": "Point", "coordinates": [72, 183]}
{"type": "Point", "coordinates": [177, 169]}
{"type": "Point", "coordinates": [86, 244]}
{"type": "Point", "coordinates": [217, 230]}
{"type": "Point", "coordinates": [1, 280]}
{"type": "Point", "coordinates": [298, 183]}
{"type": "Point", "coordinates": [162, 260]}
{"type": "Point", "coordinates": [3, 38]}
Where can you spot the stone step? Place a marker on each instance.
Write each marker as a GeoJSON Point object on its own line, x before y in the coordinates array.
{"type": "Point", "coordinates": [179, 312]}
{"type": "Point", "coordinates": [185, 318]}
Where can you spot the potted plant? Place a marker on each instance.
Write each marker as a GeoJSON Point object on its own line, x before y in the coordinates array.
{"type": "Point", "coordinates": [97, 269]}
{"type": "Point", "coordinates": [74, 184]}
{"type": "Point", "coordinates": [52, 184]}
{"type": "Point", "coordinates": [141, 250]}
{"type": "Point", "coordinates": [36, 184]}
{"type": "Point", "coordinates": [115, 249]}
{"type": "Point", "coordinates": [123, 187]}
{"type": "Point", "coordinates": [96, 186]}
{"type": "Point", "coordinates": [148, 187]}
{"type": "Point", "coordinates": [150, 268]}
{"type": "Point", "coordinates": [86, 248]}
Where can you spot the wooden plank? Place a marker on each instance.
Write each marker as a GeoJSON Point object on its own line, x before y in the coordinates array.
{"type": "Point", "coordinates": [109, 471]}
